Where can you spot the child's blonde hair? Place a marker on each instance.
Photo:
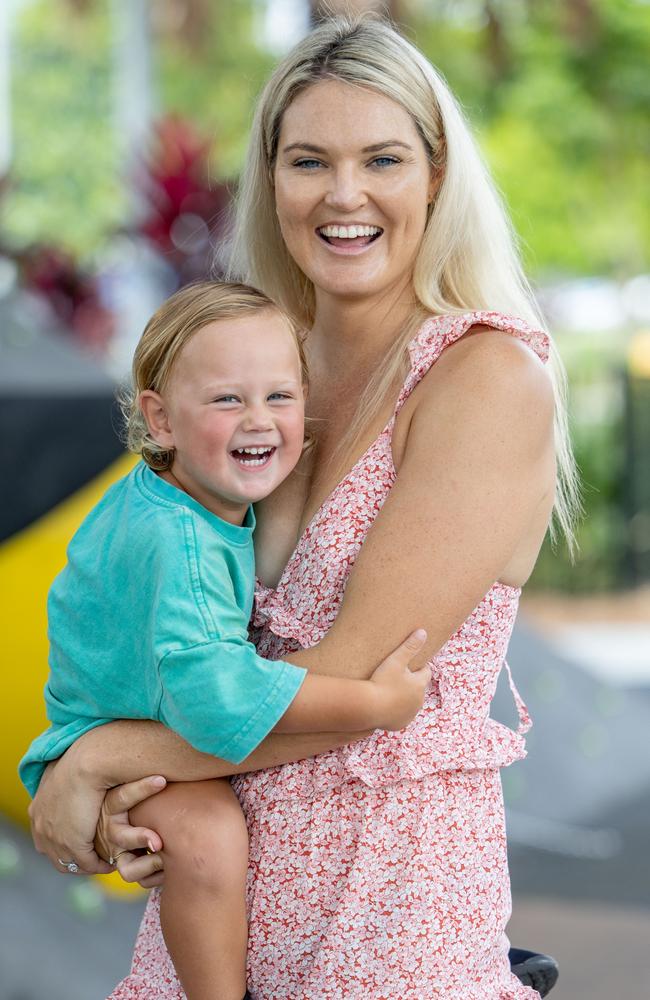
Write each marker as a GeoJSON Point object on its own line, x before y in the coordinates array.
{"type": "Point", "coordinates": [169, 329]}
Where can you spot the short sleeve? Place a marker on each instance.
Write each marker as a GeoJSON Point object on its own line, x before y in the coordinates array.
{"type": "Point", "coordinates": [49, 746]}
{"type": "Point", "coordinates": [223, 698]}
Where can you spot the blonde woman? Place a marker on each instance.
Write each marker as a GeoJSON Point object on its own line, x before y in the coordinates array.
{"type": "Point", "coordinates": [377, 869]}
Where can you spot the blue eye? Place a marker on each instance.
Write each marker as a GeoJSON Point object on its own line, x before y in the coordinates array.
{"type": "Point", "coordinates": [307, 164]}
{"type": "Point", "coordinates": [384, 161]}
{"type": "Point", "coordinates": [280, 395]}
{"type": "Point", "coordinates": [226, 399]}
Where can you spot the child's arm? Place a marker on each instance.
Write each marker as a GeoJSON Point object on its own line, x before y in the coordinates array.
{"type": "Point", "coordinates": [223, 698]}
{"type": "Point", "coordinates": [388, 700]}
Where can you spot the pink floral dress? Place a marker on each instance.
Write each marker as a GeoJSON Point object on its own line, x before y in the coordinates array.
{"type": "Point", "coordinates": [378, 871]}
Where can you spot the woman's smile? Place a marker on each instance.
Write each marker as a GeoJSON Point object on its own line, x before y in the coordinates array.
{"type": "Point", "coordinates": [352, 186]}
{"type": "Point", "coordinates": [349, 237]}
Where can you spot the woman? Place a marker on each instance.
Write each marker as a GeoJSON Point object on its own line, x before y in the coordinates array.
{"type": "Point", "coordinates": [377, 869]}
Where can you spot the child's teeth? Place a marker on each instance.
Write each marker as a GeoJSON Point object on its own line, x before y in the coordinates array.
{"type": "Point", "coordinates": [264, 452]}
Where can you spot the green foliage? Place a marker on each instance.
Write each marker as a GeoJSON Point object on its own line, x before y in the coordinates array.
{"type": "Point", "coordinates": [65, 183]}
{"type": "Point", "coordinates": [563, 111]}
{"type": "Point", "coordinates": [217, 86]}
{"type": "Point", "coordinates": [595, 370]}
{"type": "Point", "coordinates": [561, 100]}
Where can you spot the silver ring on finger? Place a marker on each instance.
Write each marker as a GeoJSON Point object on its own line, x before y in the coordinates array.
{"type": "Point", "coordinates": [72, 866]}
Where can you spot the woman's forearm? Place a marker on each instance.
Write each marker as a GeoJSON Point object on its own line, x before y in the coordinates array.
{"type": "Point", "coordinates": [128, 749]}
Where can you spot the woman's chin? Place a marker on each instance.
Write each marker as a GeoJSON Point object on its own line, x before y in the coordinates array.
{"type": "Point", "coordinates": [349, 288]}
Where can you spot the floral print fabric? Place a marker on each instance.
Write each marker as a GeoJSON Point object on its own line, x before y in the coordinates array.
{"type": "Point", "coordinates": [378, 871]}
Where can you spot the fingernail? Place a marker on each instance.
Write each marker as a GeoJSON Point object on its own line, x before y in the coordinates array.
{"type": "Point", "coordinates": [150, 845]}
{"type": "Point", "coordinates": [420, 634]}
{"type": "Point", "coordinates": [158, 781]}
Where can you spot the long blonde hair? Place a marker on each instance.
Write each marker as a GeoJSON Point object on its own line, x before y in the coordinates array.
{"type": "Point", "coordinates": [468, 259]}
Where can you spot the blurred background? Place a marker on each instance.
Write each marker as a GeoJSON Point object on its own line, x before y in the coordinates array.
{"type": "Point", "coordinates": [123, 126]}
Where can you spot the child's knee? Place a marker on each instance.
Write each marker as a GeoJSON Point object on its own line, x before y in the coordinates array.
{"type": "Point", "coordinates": [204, 835]}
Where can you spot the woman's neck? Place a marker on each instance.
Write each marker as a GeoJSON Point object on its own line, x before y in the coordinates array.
{"type": "Point", "coordinates": [354, 335]}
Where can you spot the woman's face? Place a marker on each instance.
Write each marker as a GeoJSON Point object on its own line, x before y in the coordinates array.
{"type": "Point", "coordinates": [352, 185]}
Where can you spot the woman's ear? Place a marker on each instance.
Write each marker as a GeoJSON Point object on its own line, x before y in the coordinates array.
{"type": "Point", "coordinates": [154, 411]}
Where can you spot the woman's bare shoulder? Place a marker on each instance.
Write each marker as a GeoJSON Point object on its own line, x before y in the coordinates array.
{"type": "Point", "coordinates": [484, 368]}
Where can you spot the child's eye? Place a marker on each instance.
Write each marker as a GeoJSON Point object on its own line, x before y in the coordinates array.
{"type": "Point", "coordinates": [226, 399]}
{"type": "Point", "coordinates": [280, 395]}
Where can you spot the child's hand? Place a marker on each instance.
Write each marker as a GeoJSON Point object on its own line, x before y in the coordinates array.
{"type": "Point", "coordinates": [400, 690]}
{"type": "Point", "coordinates": [133, 850]}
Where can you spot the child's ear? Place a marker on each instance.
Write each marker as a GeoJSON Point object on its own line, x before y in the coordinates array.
{"type": "Point", "coordinates": [154, 411]}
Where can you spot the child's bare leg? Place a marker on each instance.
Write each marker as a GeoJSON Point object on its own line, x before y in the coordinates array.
{"type": "Point", "coordinates": [202, 906]}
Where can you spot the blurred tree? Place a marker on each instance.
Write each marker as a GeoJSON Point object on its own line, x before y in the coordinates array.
{"type": "Point", "coordinates": [66, 189]}
{"type": "Point", "coordinates": [187, 20]}
{"type": "Point", "coordinates": [581, 21]}
{"type": "Point", "coordinates": [560, 95]}
{"type": "Point", "coordinates": [559, 92]}
{"type": "Point", "coordinates": [496, 43]}
{"type": "Point", "coordinates": [185, 212]}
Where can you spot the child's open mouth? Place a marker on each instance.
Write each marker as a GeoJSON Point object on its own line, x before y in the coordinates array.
{"type": "Point", "coordinates": [253, 458]}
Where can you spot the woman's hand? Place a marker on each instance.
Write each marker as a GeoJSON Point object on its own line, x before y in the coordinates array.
{"type": "Point", "coordinates": [132, 849]}
{"type": "Point", "coordinates": [64, 815]}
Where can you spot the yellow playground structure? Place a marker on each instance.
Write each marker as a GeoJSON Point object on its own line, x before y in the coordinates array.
{"type": "Point", "coordinates": [29, 561]}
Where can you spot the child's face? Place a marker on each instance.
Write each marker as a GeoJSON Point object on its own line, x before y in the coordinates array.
{"type": "Point", "coordinates": [235, 386]}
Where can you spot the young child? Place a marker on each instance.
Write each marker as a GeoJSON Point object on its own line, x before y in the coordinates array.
{"type": "Point", "coordinates": [149, 618]}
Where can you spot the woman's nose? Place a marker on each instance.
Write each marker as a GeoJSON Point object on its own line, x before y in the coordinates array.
{"type": "Point", "coordinates": [346, 191]}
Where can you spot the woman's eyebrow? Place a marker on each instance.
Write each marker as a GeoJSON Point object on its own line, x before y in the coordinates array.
{"type": "Point", "coordinates": [366, 149]}
{"type": "Point", "coordinates": [303, 145]}
{"type": "Point", "coordinates": [382, 145]}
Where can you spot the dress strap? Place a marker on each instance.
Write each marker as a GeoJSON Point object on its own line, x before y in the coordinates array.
{"type": "Point", "coordinates": [525, 721]}
{"type": "Point", "coordinates": [438, 332]}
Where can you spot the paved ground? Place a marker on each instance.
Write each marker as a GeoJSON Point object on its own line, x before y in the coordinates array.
{"type": "Point", "coordinates": [602, 950]}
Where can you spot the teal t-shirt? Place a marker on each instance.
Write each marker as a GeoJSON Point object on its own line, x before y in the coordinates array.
{"type": "Point", "coordinates": [149, 620]}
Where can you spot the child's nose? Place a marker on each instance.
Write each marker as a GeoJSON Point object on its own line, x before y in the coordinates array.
{"type": "Point", "coordinates": [258, 418]}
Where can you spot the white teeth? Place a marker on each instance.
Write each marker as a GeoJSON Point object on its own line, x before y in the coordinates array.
{"type": "Point", "coordinates": [349, 232]}
{"type": "Point", "coordinates": [264, 452]}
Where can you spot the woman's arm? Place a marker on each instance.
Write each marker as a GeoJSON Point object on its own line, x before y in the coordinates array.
{"type": "Point", "coordinates": [66, 808]}
{"type": "Point", "coordinates": [477, 469]}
